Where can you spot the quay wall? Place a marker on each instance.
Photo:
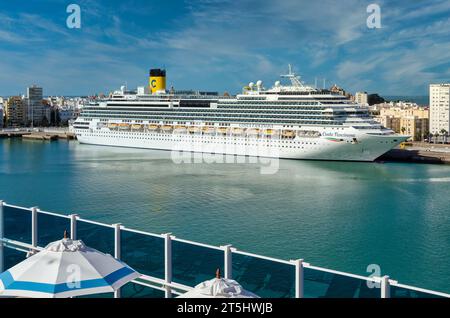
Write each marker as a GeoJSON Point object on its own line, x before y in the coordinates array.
{"type": "Point", "coordinates": [419, 152]}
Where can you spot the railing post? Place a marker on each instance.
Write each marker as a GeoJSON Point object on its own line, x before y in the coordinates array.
{"type": "Point", "coordinates": [385, 287]}
{"type": "Point", "coordinates": [228, 262]}
{"type": "Point", "coordinates": [1, 237]}
{"type": "Point", "coordinates": [117, 251]}
{"type": "Point", "coordinates": [34, 227]}
{"type": "Point", "coordinates": [73, 226]}
{"type": "Point", "coordinates": [299, 278]}
{"type": "Point", "coordinates": [168, 263]}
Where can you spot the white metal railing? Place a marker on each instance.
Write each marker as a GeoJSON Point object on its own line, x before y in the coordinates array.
{"type": "Point", "coordinates": [417, 289]}
{"type": "Point", "coordinates": [167, 284]}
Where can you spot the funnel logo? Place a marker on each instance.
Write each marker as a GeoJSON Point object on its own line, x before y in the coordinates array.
{"type": "Point", "coordinates": [153, 83]}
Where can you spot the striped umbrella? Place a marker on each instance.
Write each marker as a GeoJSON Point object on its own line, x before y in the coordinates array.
{"type": "Point", "coordinates": [65, 268]}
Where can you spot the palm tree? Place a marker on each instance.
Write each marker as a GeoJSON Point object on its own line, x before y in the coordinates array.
{"type": "Point", "coordinates": [403, 129]}
{"type": "Point", "coordinates": [435, 137]}
{"type": "Point", "coordinates": [444, 135]}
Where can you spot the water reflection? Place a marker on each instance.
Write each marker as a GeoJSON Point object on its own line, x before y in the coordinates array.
{"type": "Point", "coordinates": [342, 215]}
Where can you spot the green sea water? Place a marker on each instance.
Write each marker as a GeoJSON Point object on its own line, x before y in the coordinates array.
{"type": "Point", "coordinates": [339, 215]}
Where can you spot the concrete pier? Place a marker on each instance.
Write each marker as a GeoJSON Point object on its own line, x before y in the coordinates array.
{"type": "Point", "coordinates": [45, 134]}
{"type": "Point", "coordinates": [40, 136]}
{"type": "Point", "coordinates": [12, 134]}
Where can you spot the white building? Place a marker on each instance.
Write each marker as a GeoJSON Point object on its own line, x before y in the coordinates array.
{"type": "Point", "coordinates": [439, 108]}
{"type": "Point", "coordinates": [362, 98]}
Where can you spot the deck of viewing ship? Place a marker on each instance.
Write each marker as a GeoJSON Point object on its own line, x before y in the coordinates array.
{"type": "Point", "coordinates": [170, 266]}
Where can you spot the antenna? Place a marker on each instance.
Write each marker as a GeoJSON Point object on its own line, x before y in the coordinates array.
{"type": "Point", "coordinates": [295, 80]}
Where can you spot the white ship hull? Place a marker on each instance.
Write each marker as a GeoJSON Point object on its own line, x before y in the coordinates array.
{"type": "Point", "coordinates": [367, 148]}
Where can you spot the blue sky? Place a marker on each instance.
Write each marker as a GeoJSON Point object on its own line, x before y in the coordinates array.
{"type": "Point", "coordinates": [222, 45]}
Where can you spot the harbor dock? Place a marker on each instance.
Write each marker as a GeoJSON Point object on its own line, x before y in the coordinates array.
{"type": "Point", "coordinates": [48, 136]}
{"type": "Point", "coordinates": [419, 152]}
{"type": "Point", "coordinates": [12, 134]}
{"type": "Point", "coordinates": [38, 134]}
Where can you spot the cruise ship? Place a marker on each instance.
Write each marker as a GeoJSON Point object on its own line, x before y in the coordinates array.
{"type": "Point", "coordinates": [290, 120]}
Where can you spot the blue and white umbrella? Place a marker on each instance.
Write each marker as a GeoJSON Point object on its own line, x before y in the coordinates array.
{"type": "Point", "coordinates": [218, 288]}
{"type": "Point", "coordinates": [64, 269]}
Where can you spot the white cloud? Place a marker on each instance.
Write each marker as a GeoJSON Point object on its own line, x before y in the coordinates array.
{"type": "Point", "coordinates": [224, 44]}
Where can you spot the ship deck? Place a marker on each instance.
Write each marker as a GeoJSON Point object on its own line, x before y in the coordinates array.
{"type": "Point", "coordinates": [170, 266]}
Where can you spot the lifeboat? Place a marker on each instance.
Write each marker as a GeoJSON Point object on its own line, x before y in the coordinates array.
{"type": "Point", "coordinates": [269, 132]}
{"type": "Point", "coordinates": [288, 133]}
{"type": "Point", "coordinates": [153, 127]}
{"type": "Point", "coordinates": [112, 126]}
{"type": "Point", "coordinates": [167, 128]}
{"type": "Point", "coordinates": [124, 126]}
{"type": "Point", "coordinates": [222, 130]}
{"type": "Point", "coordinates": [237, 131]}
{"type": "Point", "coordinates": [180, 129]}
{"type": "Point", "coordinates": [193, 129]}
{"type": "Point", "coordinates": [252, 131]}
{"type": "Point", "coordinates": [136, 126]}
{"type": "Point", "coordinates": [208, 130]}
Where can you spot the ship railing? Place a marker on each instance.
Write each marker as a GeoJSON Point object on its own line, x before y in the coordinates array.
{"type": "Point", "coordinates": [170, 266]}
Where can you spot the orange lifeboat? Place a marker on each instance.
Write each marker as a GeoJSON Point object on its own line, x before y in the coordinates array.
{"type": "Point", "coordinates": [193, 129]}
{"type": "Point", "coordinates": [208, 130]}
{"type": "Point", "coordinates": [222, 130]}
{"type": "Point", "coordinates": [153, 127]}
{"type": "Point", "coordinates": [253, 131]}
{"type": "Point", "coordinates": [124, 126]}
{"type": "Point", "coordinates": [237, 131]}
{"type": "Point", "coordinates": [288, 133]}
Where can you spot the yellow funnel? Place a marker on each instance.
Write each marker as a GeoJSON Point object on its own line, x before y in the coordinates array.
{"type": "Point", "coordinates": [157, 80]}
